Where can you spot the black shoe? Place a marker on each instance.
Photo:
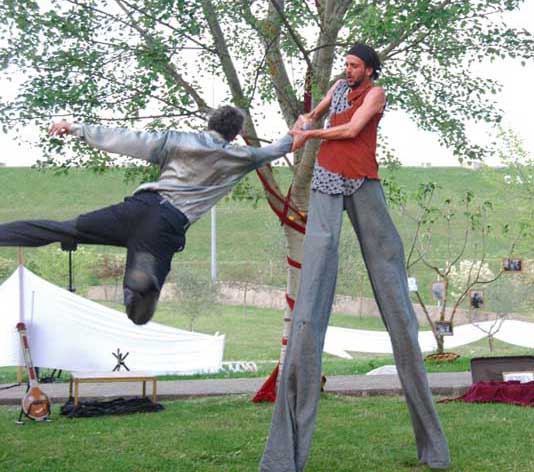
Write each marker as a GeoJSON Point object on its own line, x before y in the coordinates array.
{"type": "Point", "coordinates": [140, 307]}
{"type": "Point", "coordinates": [141, 290]}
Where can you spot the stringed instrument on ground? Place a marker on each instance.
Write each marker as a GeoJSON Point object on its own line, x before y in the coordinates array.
{"type": "Point", "coordinates": [35, 403]}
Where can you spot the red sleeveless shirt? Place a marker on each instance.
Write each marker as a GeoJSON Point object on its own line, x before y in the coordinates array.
{"type": "Point", "coordinates": [352, 158]}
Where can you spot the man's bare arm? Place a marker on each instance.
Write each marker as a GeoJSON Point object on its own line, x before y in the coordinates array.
{"type": "Point", "coordinates": [321, 108]}
{"type": "Point", "coordinates": [373, 104]}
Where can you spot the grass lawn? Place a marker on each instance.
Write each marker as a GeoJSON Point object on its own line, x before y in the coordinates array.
{"type": "Point", "coordinates": [228, 434]}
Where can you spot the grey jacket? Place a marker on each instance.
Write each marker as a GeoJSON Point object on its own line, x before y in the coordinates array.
{"type": "Point", "coordinates": [197, 169]}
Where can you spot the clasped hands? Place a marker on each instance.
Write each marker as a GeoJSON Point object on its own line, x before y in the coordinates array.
{"type": "Point", "coordinates": [300, 131]}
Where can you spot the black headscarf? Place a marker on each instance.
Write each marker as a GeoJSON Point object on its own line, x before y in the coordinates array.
{"type": "Point", "coordinates": [368, 55]}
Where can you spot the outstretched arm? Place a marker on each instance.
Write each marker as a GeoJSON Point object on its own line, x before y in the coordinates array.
{"type": "Point", "coordinates": [138, 144]}
{"type": "Point", "coordinates": [373, 104]}
{"type": "Point", "coordinates": [269, 153]}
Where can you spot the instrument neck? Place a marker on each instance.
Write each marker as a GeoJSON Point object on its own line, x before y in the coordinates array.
{"type": "Point", "coordinates": [32, 374]}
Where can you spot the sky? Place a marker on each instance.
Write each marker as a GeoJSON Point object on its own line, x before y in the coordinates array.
{"type": "Point", "coordinates": [412, 146]}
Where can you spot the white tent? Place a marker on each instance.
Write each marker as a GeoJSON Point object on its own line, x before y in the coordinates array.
{"type": "Point", "coordinates": [69, 332]}
{"type": "Point", "coordinates": [340, 340]}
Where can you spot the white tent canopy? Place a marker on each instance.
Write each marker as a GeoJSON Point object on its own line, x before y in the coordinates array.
{"type": "Point", "coordinates": [69, 332]}
{"type": "Point", "coordinates": [340, 340]}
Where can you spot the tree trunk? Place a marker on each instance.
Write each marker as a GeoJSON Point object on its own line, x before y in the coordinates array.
{"type": "Point", "coordinates": [294, 241]}
{"type": "Point", "coordinates": [300, 187]}
{"type": "Point", "coordinates": [290, 209]}
{"type": "Point", "coordinates": [440, 342]}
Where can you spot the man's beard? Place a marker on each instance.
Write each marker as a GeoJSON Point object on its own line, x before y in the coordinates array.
{"type": "Point", "coordinates": [356, 83]}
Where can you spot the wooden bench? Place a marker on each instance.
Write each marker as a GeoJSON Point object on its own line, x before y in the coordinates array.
{"type": "Point", "coordinates": [102, 377]}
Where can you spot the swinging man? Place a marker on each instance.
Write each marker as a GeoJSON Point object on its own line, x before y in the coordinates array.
{"type": "Point", "coordinates": [197, 169]}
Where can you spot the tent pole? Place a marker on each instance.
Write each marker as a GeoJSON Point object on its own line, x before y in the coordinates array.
{"type": "Point", "coordinates": [21, 301]}
{"type": "Point", "coordinates": [21, 285]}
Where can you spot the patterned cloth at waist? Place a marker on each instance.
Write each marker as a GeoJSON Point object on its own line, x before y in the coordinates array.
{"type": "Point", "coordinates": [331, 183]}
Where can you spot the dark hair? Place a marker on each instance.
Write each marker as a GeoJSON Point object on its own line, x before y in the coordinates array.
{"type": "Point", "coordinates": [368, 55]}
{"type": "Point", "coordinates": [226, 120]}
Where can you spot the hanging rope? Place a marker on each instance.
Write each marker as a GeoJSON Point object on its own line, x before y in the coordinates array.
{"type": "Point", "coordinates": [286, 204]}
{"type": "Point", "coordinates": [295, 220]}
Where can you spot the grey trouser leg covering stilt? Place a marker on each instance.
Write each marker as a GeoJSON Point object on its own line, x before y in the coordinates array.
{"type": "Point", "coordinates": [383, 254]}
{"type": "Point", "coordinates": [296, 405]}
{"type": "Point", "coordinates": [298, 394]}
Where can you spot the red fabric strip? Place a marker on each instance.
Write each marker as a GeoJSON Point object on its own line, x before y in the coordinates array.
{"type": "Point", "coordinates": [294, 263]}
{"type": "Point", "coordinates": [290, 302]}
{"type": "Point", "coordinates": [275, 194]}
{"type": "Point", "coordinates": [286, 203]}
{"type": "Point", "coordinates": [291, 223]}
{"type": "Point", "coordinates": [267, 392]}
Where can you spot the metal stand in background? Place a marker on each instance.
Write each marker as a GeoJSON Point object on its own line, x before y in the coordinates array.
{"type": "Point", "coordinates": [213, 245]}
{"type": "Point", "coordinates": [70, 247]}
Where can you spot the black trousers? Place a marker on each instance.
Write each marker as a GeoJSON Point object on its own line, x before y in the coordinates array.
{"type": "Point", "coordinates": [150, 228]}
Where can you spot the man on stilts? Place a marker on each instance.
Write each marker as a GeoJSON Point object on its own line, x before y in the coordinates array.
{"type": "Point", "coordinates": [346, 178]}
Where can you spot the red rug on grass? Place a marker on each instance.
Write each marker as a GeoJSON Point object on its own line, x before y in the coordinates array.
{"type": "Point", "coordinates": [501, 392]}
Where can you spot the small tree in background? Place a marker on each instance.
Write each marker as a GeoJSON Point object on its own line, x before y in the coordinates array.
{"type": "Point", "coordinates": [524, 282]}
{"type": "Point", "coordinates": [196, 296]}
{"type": "Point", "coordinates": [511, 151]}
{"type": "Point", "coordinates": [508, 297]}
{"type": "Point", "coordinates": [480, 319]}
{"type": "Point", "coordinates": [466, 231]}
{"type": "Point", "coordinates": [110, 267]}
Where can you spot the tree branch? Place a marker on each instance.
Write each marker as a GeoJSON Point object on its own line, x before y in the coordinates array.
{"type": "Point", "coordinates": [427, 314]}
{"type": "Point", "coordinates": [394, 44]}
{"type": "Point", "coordinates": [292, 33]}
{"type": "Point", "coordinates": [270, 34]}
{"type": "Point", "coordinates": [100, 12]}
{"type": "Point", "coordinates": [168, 25]}
{"type": "Point", "coordinates": [171, 70]}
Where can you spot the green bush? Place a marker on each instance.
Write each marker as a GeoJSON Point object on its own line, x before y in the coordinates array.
{"type": "Point", "coordinates": [7, 266]}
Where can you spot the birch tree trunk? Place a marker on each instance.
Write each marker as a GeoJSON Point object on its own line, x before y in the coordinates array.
{"type": "Point", "coordinates": [294, 218]}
